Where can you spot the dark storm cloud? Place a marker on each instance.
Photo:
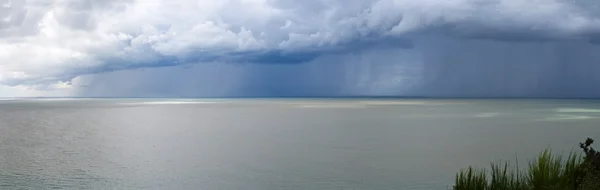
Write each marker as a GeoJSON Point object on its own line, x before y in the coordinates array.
{"type": "Point", "coordinates": [455, 47]}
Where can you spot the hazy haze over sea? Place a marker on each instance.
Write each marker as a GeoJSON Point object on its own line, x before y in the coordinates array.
{"type": "Point", "coordinates": [275, 143]}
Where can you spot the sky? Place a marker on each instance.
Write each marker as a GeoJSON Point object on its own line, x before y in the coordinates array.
{"type": "Point", "coordinates": [281, 48]}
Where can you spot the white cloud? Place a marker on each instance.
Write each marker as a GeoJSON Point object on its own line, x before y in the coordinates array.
{"type": "Point", "coordinates": [43, 42]}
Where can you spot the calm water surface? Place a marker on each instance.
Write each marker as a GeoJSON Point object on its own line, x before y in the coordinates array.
{"type": "Point", "coordinates": [267, 144]}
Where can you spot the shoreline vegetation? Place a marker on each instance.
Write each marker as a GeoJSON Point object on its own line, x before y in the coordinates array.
{"type": "Point", "coordinates": [549, 171]}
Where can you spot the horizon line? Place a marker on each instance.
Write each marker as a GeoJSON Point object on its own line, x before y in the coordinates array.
{"type": "Point", "coordinates": [302, 97]}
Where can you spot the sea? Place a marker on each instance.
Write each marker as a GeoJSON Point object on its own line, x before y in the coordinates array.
{"type": "Point", "coordinates": [272, 144]}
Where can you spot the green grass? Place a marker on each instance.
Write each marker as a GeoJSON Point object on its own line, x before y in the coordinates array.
{"type": "Point", "coordinates": [505, 177]}
{"type": "Point", "coordinates": [471, 179]}
{"type": "Point", "coordinates": [547, 172]}
{"type": "Point", "coordinates": [550, 171]}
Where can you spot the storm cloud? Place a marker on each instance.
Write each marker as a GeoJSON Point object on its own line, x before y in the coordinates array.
{"type": "Point", "coordinates": [292, 48]}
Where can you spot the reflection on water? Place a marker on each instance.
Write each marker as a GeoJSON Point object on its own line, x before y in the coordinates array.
{"type": "Point", "coordinates": [274, 144]}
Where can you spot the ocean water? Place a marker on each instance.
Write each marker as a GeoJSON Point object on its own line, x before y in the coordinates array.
{"type": "Point", "coordinates": [268, 144]}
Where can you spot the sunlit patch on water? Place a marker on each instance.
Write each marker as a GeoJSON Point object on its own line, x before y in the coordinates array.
{"type": "Point", "coordinates": [487, 115]}
{"type": "Point", "coordinates": [331, 106]}
{"type": "Point", "coordinates": [168, 103]}
{"type": "Point", "coordinates": [361, 104]}
{"type": "Point", "coordinates": [577, 110]}
{"type": "Point", "coordinates": [568, 117]}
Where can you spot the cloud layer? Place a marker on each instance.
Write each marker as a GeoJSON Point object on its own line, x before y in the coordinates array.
{"type": "Point", "coordinates": [46, 44]}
